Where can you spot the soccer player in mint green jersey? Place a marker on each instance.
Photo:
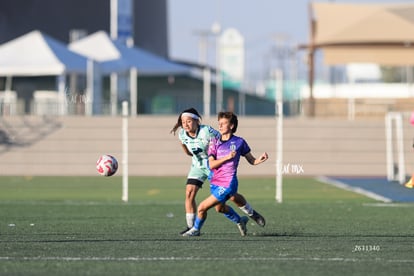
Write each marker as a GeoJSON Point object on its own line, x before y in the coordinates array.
{"type": "Point", "coordinates": [195, 139]}
{"type": "Point", "coordinates": [224, 154]}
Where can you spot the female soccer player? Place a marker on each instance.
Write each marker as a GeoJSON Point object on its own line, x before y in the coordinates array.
{"type": "Point", "coordinates": [195, 138]}
{"type": "Point", "coordinates": [224, 156]}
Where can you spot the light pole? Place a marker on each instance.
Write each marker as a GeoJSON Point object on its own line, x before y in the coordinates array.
{"type": "Point", "coordinates": [216, 30]}
{"type": "Point", "coordinates": [202, 60]}
{"type": "Point", "coordinates": [286, 58]}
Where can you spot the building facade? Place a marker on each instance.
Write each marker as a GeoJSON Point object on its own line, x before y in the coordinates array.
{"type": "Point", "coordinates": [59, 18]}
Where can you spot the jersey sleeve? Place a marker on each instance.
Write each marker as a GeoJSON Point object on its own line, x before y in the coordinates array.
{"type": "Point", "coordinates": [214, 133]}
{"type": "Point", "coordinates": [245, 149]}
{"type": "Point", "coordinates": [181, 136]}
{"type": "Point", "coordinates": [212, 149]}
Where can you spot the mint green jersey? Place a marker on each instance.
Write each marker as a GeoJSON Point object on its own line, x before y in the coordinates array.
{"type": "Point", "coordinates": [198, 146]}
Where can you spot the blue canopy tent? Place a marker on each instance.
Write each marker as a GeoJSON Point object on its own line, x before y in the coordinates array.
{"type": "Point", "coordinates": [115, 58]}
{"type": "Point", "coordinates": [145, 62]}
{"type": "Point", "coordinates": [37, 54]}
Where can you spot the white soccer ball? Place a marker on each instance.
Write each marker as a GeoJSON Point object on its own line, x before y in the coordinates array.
{"type": "Point", "coordinates": [107, 165]}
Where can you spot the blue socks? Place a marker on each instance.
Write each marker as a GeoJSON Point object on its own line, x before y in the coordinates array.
{"type": "Point", "coordinates": [198, 223]}
{"type": "Point", "coordinates": [232, 215]}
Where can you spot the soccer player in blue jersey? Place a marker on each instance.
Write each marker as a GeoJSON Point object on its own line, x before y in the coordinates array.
{"type": "Point", "coordinates": [195, 138]}
{"type": "Point", "coordinates": [224, 155]}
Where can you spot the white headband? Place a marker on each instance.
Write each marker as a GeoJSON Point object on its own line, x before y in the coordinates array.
{"type": "Point", "coordinates": [188, 114]}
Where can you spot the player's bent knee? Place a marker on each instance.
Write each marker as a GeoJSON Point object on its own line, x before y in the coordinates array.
{"type": "Point", "coordinates": [220, 208]}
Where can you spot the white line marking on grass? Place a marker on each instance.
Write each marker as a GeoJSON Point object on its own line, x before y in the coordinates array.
{"type": "Point", "coordinates": [151, 259]}
{"type": "Point", "coordinates": [410, 205]}
{"type": "Point", "coordinates": [91, 203]}
{"type": "Point", "coordinates": [347, 187]}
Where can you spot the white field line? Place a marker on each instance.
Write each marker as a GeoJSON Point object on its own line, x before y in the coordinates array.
{"type": "Point", "coordinates": [409, 205]}
{"type": "Point", "coordinates": [144, 259]}
{"type": "Point", "coordinates": [90, 203]}
{"type": "Point", "coordinates": [361, 191]}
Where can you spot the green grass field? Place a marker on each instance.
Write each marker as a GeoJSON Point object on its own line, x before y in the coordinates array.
{"type": "Point", "coordinates": [80, 226]}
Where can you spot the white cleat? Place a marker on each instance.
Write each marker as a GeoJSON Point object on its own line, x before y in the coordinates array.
{"type": "Point", "coordinates": [192, 233]}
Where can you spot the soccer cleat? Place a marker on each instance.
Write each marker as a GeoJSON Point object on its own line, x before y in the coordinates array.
{"type": "Point", "coordinates": [185, 230]}
{"type": "Point", "coordinates": [242, 226]}
{"type": "Point", "coordinates": [258, 218]}
{"type": "Point", "coordinates": [409, 184]}
{"type": "Point", "coordinates": [192, 232]}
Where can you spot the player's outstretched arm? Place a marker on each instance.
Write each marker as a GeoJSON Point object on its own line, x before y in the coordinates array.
{"type": "Point", "coordinates": [256, 161]}
{"type": "Point", "coordinates": [186, 151]}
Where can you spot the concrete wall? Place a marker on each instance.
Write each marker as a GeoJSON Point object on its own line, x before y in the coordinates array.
{"type": "Point", "coordinates": [71, 146]}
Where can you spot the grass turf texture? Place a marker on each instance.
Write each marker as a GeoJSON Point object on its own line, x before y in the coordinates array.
{"type": "Point", "coordinates": [80, 226]}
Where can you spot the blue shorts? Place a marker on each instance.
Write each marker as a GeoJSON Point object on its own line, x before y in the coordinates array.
{"type": "Point", "coordinates": [222, 193]}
